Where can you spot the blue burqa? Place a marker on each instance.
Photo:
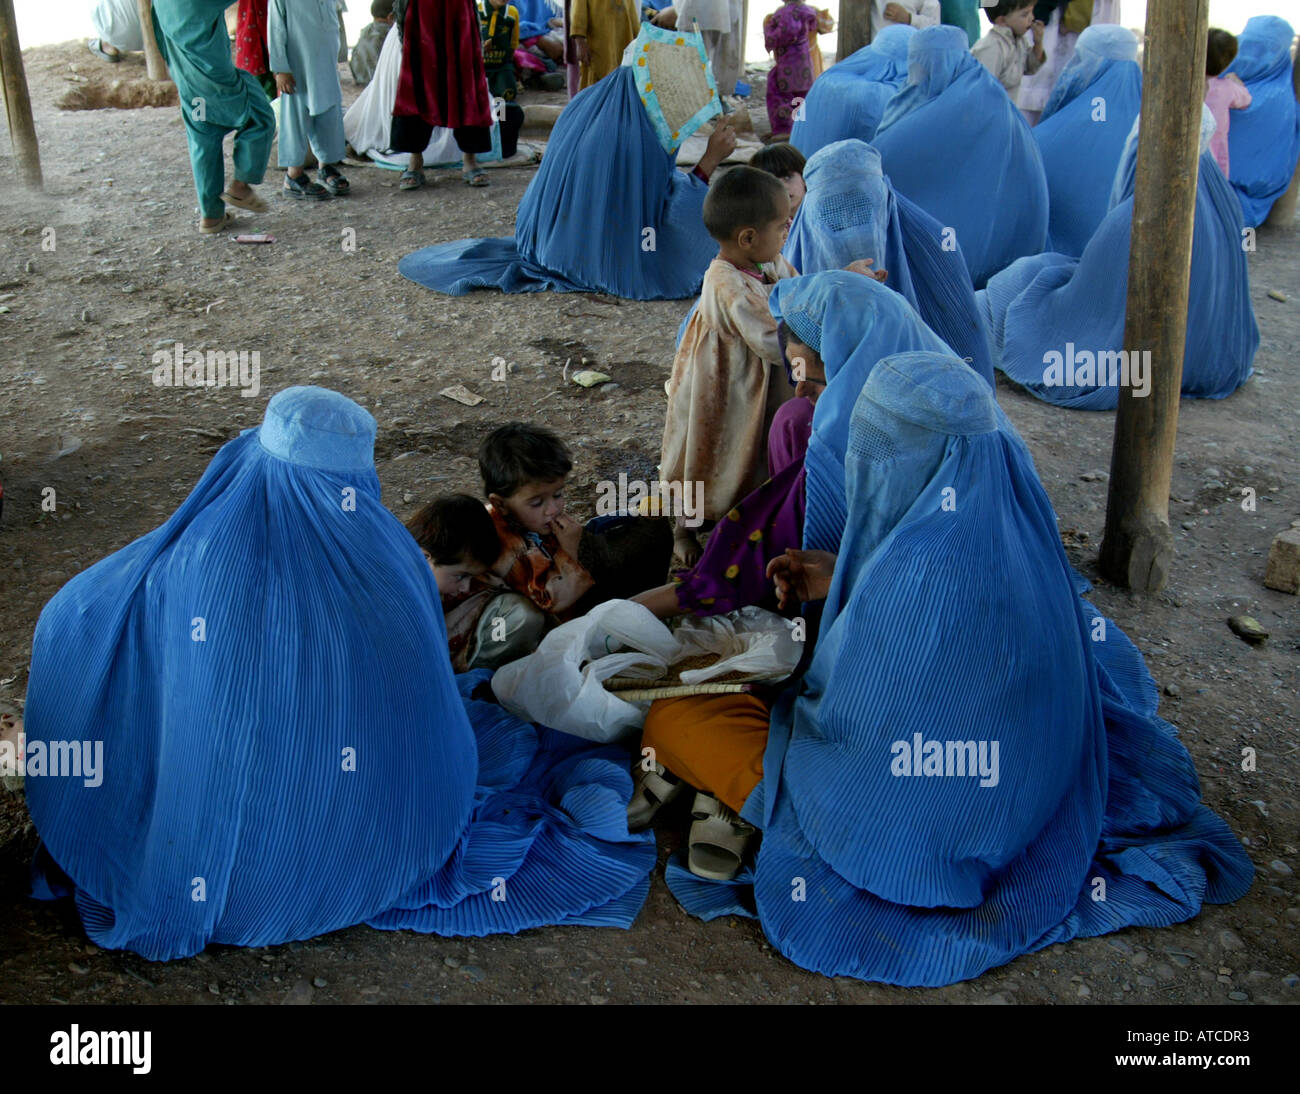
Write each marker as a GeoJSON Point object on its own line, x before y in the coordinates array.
{"type": "Point", "coordinates": [1083, 129]}
{"type": "Point", "coordinates": [285, 749]}
{"type": "Point", "coordinates": [1052, 307]}
{"type": "Point", "coordinates": [608, 211]}
{"type": "Point", "coordinates": [953, 142]}
{"type": "Point", "coordinates": [920, 826]}
{"type": "Point", "coordinates": [851, 211]}
{"type": "Point", "coordinates": [1264, 138]}
{"type": "Point", "coordinates": [847, 100]}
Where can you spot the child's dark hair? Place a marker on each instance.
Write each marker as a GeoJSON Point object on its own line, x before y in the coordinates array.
{"type": "Point", "coordinates": [782, 160]}
{"type": "Point", "coordinates": [743, 197]}
{"type": "Point", "coordinates": [519, 453]}
{"type": "Point", "coordinates": [454, 528]}
{"type": "Point", "coordinates": [381, 9]}
{"type": "Point", "coordinates": [1006, 7]}
{"type": "Point", "coordinates": [1220, 49]}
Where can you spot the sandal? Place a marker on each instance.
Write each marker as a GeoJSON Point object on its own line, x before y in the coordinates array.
{"type": "Point", "coordinates": [334, 181]}
{"type": "Point", "coordinates": [227, 219]}
{"type": "Point", "coordinates": [96, 46]}
{"type": "Point", "coordinates": [651, 790]}
{"type": "Point", "coordinates": [476, 176]}
{"type": "Point", "coordinates": [252, 203]}
{"type": "Point", "coordinates": [718, 839]}
{"type": "Point", "coordinates": [11, 727]}
{"type": "Point", "coordinates": [304, 187]}
{"type": "Point", "coordinates": [410, 180]}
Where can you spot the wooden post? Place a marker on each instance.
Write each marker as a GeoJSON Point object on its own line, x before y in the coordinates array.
{"type": "Point", "coordinates": [1137, 548]}
{"type": "Point", "coordinates": [18, 103]}
{"type": "Point", "coordinates": [1282, 215]}
{"type": "Point", "coordinates": [854, 30]}
{"type": "Point", "coordinates": [154, 65]}
{"type": "Point", "coordinates": [744, 33]}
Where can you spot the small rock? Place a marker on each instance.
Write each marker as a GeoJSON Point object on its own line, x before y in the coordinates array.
{"type": "Point", "coordinates": [1291, 980]}
{"type": "Point", "coordinates": [408, 497]}
{"type": "Point", "coordinates": [1230, 940]}
{"type": "Point", "coordinates": [320, 982]}
{"type": "Point", "coordinates": [1119, 944]}
{"type": "Point", "coordinates": [1282, 571]}
{"type": "Point", "coordinates": [1146, 981]}
{"type": "Point", "coordinates": [473, 972]}
{"type": "Point", "coordinates": [1180, 959]}
{"type": "Point", "coordinates": [1164, 972]}
{"type": "Point", "coordinates": [80, 970]}
{"type": "Point", "coordinates": [1140, 958]}
{"type": "Point", "coordinates": [1224, 979]}
{"type": "Point", "coordinates": [298, 996]}
{"type": "Point", "coordinates": [1084, 991]}
{"type": "Point", "coordinates": [1280, 868]}
{"type": "Point", "coordinates": [1293, 915]}
{"type": "Point", "coordinates": [1273, 294]}
{"type": "Point", "coordinates": [1258, 976]}
{"type": "Point", "coordinates": [451, 962]}
{"type": "Point", "coordinates": [1173, 690]}
{"type": "Point", "coordinates": [1248, 629]}
{"type": "Point", "coordinates": [1238, 996]}
{"type": "Point", "coordinates": [597, 1000]}
{"type": "Point", "coordinates": [214, 989]}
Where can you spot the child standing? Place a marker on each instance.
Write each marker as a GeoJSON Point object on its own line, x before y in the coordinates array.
{"type": "Point", "coordinates": [499, 23]}
{"type": "Point", "coordinates": [727, 380]}
{"type": "Point", "coordinates": [365, 54]}
{"type": "Point", "coordinates": [786, 35]}
{"type": "Point", "coordinates": [303, 45]}
{"type": "Point", "coordinates": [915, 13]}
{"type": "Point", "coordinates": [1004, 51]}
{"type": "Point", "coordinates": [600, 30]}
{"type": "Point", "coordinates": [1222, 93]}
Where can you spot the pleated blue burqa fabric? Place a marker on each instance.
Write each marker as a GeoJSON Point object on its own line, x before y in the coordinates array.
{"type": "Point", "coordinates": [1264, 138]}
{"type": "Point", "coordinates": [1052, 308]}
{"type": "Point", "coordinates": [1082, 132]}
{"type": "Point", "coordinates": [953, 142]}
{"type": "Point", "coordinates": [285, 751]}
{"type": "Point", "coordinates": [921, 834]}
{"type": "Point", "coordinates": [851, 211]}
{"type": "Point", "coordinates": [848, 99]}
{"type": "Point", "coordinates": [608, 211]}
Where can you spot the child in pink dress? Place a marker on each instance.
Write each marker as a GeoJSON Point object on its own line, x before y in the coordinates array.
{"type": "Point", "coordinates": [1222, 93]}
{"type": "Point", "coordinates": [785, 33]}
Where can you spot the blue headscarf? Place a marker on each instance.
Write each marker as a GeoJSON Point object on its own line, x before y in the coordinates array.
{"type": "Point", "coordinates": [953, 618]}
{"type": "Point", "coordinates": [852, 322]}
{"type": "Point", "coordinates": [582, 223]}
{"type": "Point", "coordinates": [1264, 138]}
{"type": "Point", "coordinates": [284, 749]}
{"type": "Point", "coordinates": [847, 100]}
{"type": "Point", "coordinates": [1083, 129]}
{"type": "Point", "coordinates": [953, 142]}
{"type": "Point", "coordinates": [851, 211]}
{"type": "Point", "coordinates": [1051, 306]}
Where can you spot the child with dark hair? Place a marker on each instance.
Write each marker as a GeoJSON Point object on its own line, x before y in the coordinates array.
{"type": "Point", "coordinates": [1004, 51]}
{"type": "Point", "coordinates": [786, 162]}
{"type": "Point", "coordinates": [499, 25]}
{"type": "Point", "coordinates": [1222, 92]}
{"type": "Point", "coordinates": [365, 54]}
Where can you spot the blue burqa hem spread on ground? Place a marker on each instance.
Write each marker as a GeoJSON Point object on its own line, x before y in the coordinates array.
{"type": "Point", "coordinates": [848, 99]}
{"type": "Point", "coordinates": [285, 749]}
{"type": "Point", "coordinates": [1082, 132]}
{"type": "Point", "coordinates": [1052, 304]}
{"type": "Point", "coordinates": [874, 862]}
{"type": "Point", "coordinates": [608, 211]}
{"type": "Point", "coordinates": [1264, 138]}
{"type": "Point", "coordinates": [953, 142]}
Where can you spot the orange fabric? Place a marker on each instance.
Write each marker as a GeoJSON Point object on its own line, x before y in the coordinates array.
{"type": "Point", "coordinates": [714, 742]}
{"type": "Point", "coordinates": [545, 573]}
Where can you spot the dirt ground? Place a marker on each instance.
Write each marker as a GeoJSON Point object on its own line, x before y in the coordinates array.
{"type": "Point", "coordinates": [106, 267]}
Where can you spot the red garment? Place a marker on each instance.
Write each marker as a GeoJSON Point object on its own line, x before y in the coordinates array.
{"type": "Point", "coordinates": [250, 37]}
{"type": "Point", "coordinates": [443, 81]}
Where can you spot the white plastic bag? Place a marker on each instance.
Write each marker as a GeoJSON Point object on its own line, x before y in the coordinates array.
{"type": "Point", "coordinates": [752, 641]}
{"type": "Point", "coordinates": [561, 684]}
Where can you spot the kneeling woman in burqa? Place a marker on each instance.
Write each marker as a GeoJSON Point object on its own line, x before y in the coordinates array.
{"type": "Point", "coordinates": [285, 749]}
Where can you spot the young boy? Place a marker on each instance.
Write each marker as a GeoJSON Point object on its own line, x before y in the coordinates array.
{"type": "Point", "coordinates": [303, 45]}
{"type": "Point", "coordinates": [786, 162]}
{"type": "Point", "coordinates": [1004, 51]}
{"type": "Point", "coordinates": [727, 380]}
{"type": "Point", "coordinates": [499, 23]}
{"type": "Point", "coordinates": [915, 13]}
{"type": "Point", "coordinates": [365, 54]}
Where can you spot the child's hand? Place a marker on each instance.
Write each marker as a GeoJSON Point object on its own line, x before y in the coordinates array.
{"type": "Point", "coordinates": [863, 266]}
{"type": "Point", "coordinates": [284, 84]}
{"type": "Point", "coordinates": [686, 546]}
{"type": "Point", "coordinates": [583, 50]}
{"type": "Point", "coordinates": [896, 13]}
{"type": "Point", "coordinates": [568, 532]}
{"type": "Point", "coordinates": [801, 576]}
{"type": "Point", "coordinates": [667, 18]}
{"type": "Point", "coordinates": [1040, 28]}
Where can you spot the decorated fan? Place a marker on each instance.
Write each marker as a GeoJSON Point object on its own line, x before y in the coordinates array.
{"type": "Point", "coordinates": [674, 81]}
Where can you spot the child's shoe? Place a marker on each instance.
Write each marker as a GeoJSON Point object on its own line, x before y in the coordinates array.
{"type": "Point", "coordinates": [718, 840]}
{"type": "Point", "coordinates": [304, 187]}
{"type": "Point", "coordinates": [651, 791]}
{"type": "Point", "coordinates": [334, 181]}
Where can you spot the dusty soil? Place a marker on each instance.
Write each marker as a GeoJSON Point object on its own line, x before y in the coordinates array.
{"type": "Point", "coordinates": [128, 274]}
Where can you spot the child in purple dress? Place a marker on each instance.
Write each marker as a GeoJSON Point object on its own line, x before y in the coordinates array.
{"type": "Point", "coordinates": [785, 34]}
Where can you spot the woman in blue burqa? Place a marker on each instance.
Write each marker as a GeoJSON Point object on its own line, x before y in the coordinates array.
{"type": "Point", "coordinates": [1083, 129]}
{"type": "Point", "coordinates": [972, 767]}
{"type": "Point", "coordinates": [953, 142]}
{"type": "Point", "coordinates": [848, 99]}
{"type": "Point", "coordinates": [851, 211]}
{"type": "Point", "coordinates": [608, 211]}
{"type": "Point", "coordinates": [1264, 138]}
{"type": "Point", "coordinates": [285, 749]}
{"type": "Point", "coordinates": [1057, 323]}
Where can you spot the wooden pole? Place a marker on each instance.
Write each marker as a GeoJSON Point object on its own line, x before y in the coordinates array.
{"type": "Point", "coordinates": [854, 29]}
{"type": "Point", "coordinates": [154, 65]}
{"type": "Point", "coordinates": [1282, 215]}
{"type": "Point", "coordinates": [18, 103]}
{"type": "Point", "coordinates": [1137, 547]}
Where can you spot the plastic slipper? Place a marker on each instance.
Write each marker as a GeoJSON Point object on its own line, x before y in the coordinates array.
{"type": "Point", "coordinates": [252, 203]}
{"type": "Point", "coordinates": [651, 790]}
{"type": "Point", "coordinates": [333, 181]}
{"type": "Point", "coordinates": [96, 46]}
{"type": "Point", "coordinates": [212, 229]}
{"type": "Point", "coordinates": [476, 176]}
{"type": "Point", "coordinates": [411, 180]}
{"type": "Point", "coordinates": [303, 187]}
{"type": "Point", "coordinates": [718, 839]}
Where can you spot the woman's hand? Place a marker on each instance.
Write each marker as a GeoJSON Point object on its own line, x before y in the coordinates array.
{"type": "Point", "coordinates": [896, 13]}
{"type": "Point", "coordinates": [284, 84]}
{"type": "Point", "coordinates": [801, 576]}
{"type": "Point", "coordinates": [667, 18]}
{"type": "Point", "coordinates": [722, 142]}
